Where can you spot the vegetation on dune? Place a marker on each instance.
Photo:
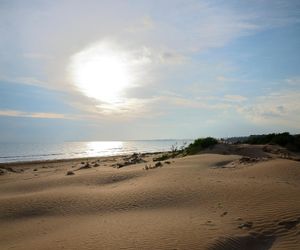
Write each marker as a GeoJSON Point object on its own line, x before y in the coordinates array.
{"type": "Point", "coordinates": [200, 144]}
{"type": "Point", "coordinates": [285, 139]}
{"type": "Point", "coordinates": [291, 142]}
{"type": "Point", "coordinates": [193, 148]}
{"type": "Point", "coordinates": [163, 157]}
{"type": "Point", "coordinates": [175, 151]}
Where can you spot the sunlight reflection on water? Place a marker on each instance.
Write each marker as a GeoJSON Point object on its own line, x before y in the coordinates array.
{"type": "Point", "coordinates": [12, 152]}
{"type": "Point", "coordinates": [96, 148]}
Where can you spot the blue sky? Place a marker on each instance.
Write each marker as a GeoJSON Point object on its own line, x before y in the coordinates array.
{"type": "Point", "coordinates": [194, 68]}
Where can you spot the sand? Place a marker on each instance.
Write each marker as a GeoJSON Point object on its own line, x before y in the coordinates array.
{"type": "Point", "coordinates": [216, 200]}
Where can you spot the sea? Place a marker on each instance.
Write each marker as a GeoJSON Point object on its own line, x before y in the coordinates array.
{"type": "Point", "coordinates": [22, 152]}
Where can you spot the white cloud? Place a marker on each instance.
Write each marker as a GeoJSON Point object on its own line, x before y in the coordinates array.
{"type": "Point", "coordinates": [276, 108]}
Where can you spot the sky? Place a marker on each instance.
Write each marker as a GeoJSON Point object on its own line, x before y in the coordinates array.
{"type": "Point", "coordinates": [74, 70]}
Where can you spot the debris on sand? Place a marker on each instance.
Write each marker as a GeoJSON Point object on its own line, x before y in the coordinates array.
{"type": "Point", "coordinates": [247, 225]}
{"type": "Point", "coordinates": [70, 173]}
{"type": "Point", "coordinates": [118, 165]}
{"type": "Point", "coordinates": [130, 160]}
{"type": "Point", "coordinates": [86, 166]}
{"type": "Point", "coordinates": [244, 161]}
{"type": "Point", "coordinates": [223, 214]}
{"type": "Point", "coordinates": [248, 160]}
{"type": "Point", "coordinates": [4, 170]}
{"type": "Point", "coordinates": [157, 165]}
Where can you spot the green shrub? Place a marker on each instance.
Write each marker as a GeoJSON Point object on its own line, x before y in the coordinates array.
{"type": "Point", "coordinates": [200, 144]}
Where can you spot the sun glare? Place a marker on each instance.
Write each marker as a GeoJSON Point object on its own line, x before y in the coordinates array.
{"type": "Point", "coordinates": [101, 72]}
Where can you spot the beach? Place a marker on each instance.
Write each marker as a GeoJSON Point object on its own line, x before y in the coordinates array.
{"type": "Point", "coordinates": [244, 197]}
{"type": "Point", "coordinates": [159, 125]}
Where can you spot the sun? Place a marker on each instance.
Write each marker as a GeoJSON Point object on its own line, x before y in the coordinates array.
{"type": "Point", "coordinates": [102, 72]}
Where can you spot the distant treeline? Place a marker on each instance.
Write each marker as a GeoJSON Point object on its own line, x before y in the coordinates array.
{"type": "Point", "coordinates": [291, 142]}
{"type": "Point", "coordinates": [287, 140]}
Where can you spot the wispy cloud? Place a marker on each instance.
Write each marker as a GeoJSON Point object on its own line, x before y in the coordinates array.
{"type": "Point", "coordinates": [37, 56]}
{"type": "Point", "coordinates": [17, 113]}
{"type": "Point", "coordinates": [235, 98]}
{"type": "Point", "coordinates": [293, 81]}
{"type": "Point", "coordinates": [27, 80]}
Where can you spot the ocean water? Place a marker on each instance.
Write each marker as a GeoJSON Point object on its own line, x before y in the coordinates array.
{"type": "Point", "coordinates": [13, 152]}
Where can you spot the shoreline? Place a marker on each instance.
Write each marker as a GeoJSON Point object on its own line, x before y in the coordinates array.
{"type": "Point", "coordinates": [15, 153]}
{"type": "Point", "coordinates": [33, 162]}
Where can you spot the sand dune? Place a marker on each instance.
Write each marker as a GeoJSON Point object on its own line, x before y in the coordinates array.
{"type": "Point", "coordinates": [208, 201]}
